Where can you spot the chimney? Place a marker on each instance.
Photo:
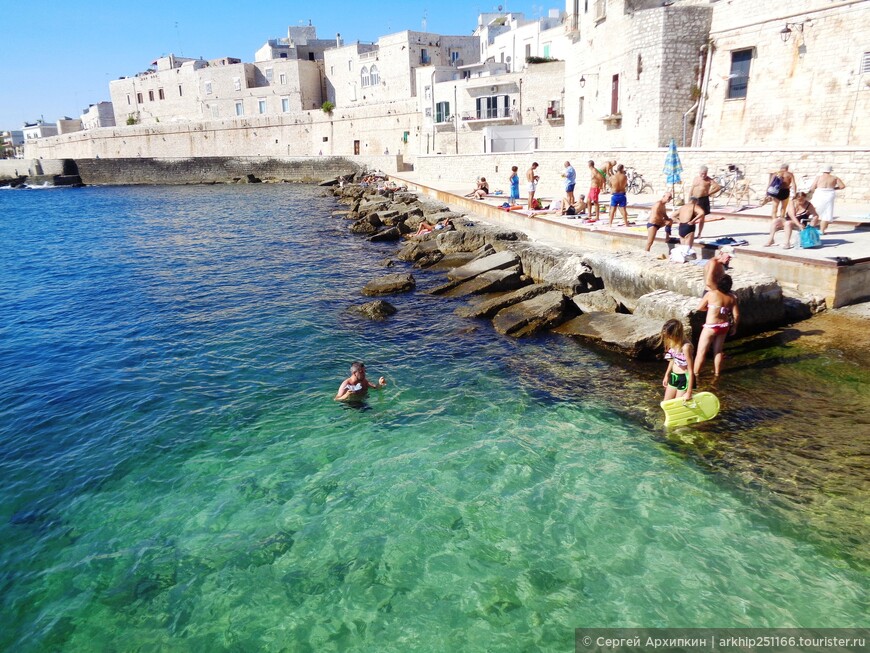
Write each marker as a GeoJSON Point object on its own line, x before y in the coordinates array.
{"type": "Point", "coordinates": [338, 40]}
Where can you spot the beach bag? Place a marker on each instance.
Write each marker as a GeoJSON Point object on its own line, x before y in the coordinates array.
{"type": "Point", "coordinates": [536, 205]}
{"type": "Point", "coordinates": [810, 238]}
{"type": "Point", "coordinates": [774, 187]}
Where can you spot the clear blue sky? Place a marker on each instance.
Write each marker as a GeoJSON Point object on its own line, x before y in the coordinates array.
{"type": "Point", "coordinates": [57, 58]}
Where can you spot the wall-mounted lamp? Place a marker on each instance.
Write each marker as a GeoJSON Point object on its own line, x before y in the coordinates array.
{"type": "Point", "coordinates": [785, 32]}
{"type": "Point", "coordinates": [583, 78]}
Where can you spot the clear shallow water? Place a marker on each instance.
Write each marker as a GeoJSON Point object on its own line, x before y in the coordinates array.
{"type": "Point", "coordinates": [177, 477]}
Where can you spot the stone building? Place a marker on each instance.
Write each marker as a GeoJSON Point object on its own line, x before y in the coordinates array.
{"type": "Point", "coordinates": [12, 144]}
{"type": "Point", "coordinates": [301, 43]}
{"type": "Point", "coordinates": [633, 70]}
{"type": "Point", "coordinates": [38, 129]}
{"type": "Point", "coordinates": [511, 38]}
{"type": "Point", "coordinates": [386, 71]}
{"type": "Point", "coordinates": [787, 74]}
{"type": "Point", "coordinates": [101, 114]}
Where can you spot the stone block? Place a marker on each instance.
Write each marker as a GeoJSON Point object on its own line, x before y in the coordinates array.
{"type": "Point", "coordinates": [390, 284]}
{"type": "Point", "coordinates": [597, 301]}
{"type": "Point", "coordinates": [488, 308]}
{"type": "Point", "coordinates": [490, 282]}
{"type": "Point", "coordinates": [497, 261]}
{"type": "Point", "coordinates": [534, 315]}
{"type": "Point", "coordinates": [635, 336]}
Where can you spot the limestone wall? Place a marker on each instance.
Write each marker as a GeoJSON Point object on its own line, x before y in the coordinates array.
{"type": "Point", "coordinates": [852, 165]}
{"type": "Point", "coordinates": [10, 168]}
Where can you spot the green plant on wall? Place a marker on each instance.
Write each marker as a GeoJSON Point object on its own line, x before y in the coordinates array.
{"type": "Point", "coordinates": [131, 120]}
{"type": "Point", "coordinates": [327, 107]}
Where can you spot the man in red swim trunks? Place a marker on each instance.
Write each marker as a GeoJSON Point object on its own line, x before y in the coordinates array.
{"type": "Point", "coordinates": [596, 183]}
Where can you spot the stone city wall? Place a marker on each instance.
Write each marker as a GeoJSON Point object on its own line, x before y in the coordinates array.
{"type": "Point", "coordinates": [851, 165]}
{"type": "Point", "coordinates": [12, 168]}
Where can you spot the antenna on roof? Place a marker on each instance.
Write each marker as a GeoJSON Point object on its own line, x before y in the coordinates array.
{"type": "Point", "coordinates": [423, 22]}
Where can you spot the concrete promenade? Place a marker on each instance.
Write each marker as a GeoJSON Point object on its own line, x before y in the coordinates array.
{"type": "Point", "coordinates": [839, 271]}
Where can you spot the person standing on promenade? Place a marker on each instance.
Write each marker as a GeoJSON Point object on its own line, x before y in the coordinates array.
{"type": "Point", "coordinates": [356, 386]}
{"type": "Point", "coordinates": [722, 317]}
{"type": "Point", "coordinates": [658, 218]}
{"type": "Point", "coordinates": [596, 183]}
{"type": "Point", "coordinates": [715, 268]}
{"type": "Point", "coordinates": [570, 176]}
{"type": "Point", "coordinates": [679, 377]}
{"type": "Point", "coordinates": [533, 178]}
{"type": "Point", "coordinates": [514, 181]}
{"type": "Point", "coordinates": [703, 186]}
{"type": "Point", "coordinates": [618, 185]}
{"type": "Point", "coordinates": [688, 216]}
{"type": "Point", "coordinates": [824, 188]}
{"type": "Point", "coordinates": [607, 171]}
{"type": "Point", "coordinates": [783, 183]}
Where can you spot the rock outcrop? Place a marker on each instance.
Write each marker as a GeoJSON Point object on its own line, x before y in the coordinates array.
{"type": "Point", "coordinates": [390, 284]}
{"type": "Point", "coordinates": [636, 336]}
{"type": "Point", "coordinates": [534, 315]}
{"type": "Point", "coordinates": [376, 310]}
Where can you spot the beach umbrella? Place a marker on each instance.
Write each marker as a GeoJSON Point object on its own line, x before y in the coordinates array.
{"type": "Point", "coordinates": [673, 167]}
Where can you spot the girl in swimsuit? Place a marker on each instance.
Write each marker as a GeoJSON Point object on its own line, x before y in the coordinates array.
{"type": "Point", "coordinates": [722, 317]}
{"type": "Point", "coordinates": [679, 377]}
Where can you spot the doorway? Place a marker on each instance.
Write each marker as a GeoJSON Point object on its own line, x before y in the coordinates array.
{"type": "Point", "coordinates": [356, 147]}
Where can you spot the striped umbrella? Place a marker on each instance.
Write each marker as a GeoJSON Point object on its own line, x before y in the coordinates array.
{"type": "Point", "coordinates": [673, 167]}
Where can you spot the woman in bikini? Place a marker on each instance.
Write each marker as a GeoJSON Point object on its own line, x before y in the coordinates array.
{"type": "Point", "coordinates": [679, 377]}
{"type": "Point", "coordinates": [798, 215]}
{"type": "Point", "coordinates": [722, 318]}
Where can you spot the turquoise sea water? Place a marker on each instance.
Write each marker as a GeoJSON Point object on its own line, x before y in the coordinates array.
{"type": "Point", "coordinates": [176, 476]}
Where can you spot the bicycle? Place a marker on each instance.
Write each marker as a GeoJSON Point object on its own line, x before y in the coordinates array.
{"type": "Point", "coordinates": [636, 183]}
{"type": "Point", "coordinates": [734, 186]}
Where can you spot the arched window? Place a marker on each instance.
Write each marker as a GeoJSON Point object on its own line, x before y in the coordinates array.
{"type": "Point", "coordinates": [375, 77]}
{"type": "Point", "coordinates": [364, 77]}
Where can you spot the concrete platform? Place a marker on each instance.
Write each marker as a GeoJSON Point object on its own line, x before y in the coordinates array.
{"type": "Point", "coordinates": [839, 271]}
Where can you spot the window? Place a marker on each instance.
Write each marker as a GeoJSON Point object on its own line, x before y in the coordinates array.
{"type": "Point", "coordinates": [208, 88]}
{"type": "Point", "coordinates": [129, 101]}
{"type": "Point", "coordinates": [528, 50]}
{"type": "Point", "coordinates": [495, 106]}
{"type": "Point", "coordinates": [365, 80]}
{"type": "Point", "coordinates": [580, 118]}
{"type": "Point", "coordinates": [865, 63]}
{"type": "Point", "coordinates": [614, 95]}
{"type": "Point", "coordinates": [546, 50]}
{"type": "Point", "coordinates": [215, 112]}
{"type": "Point", "coordinates": [442, 111]}
{"type": "Point", "coordinates": [240, 109]}
{"type": "Point", "coordinates": [374, 76]}
{"type": "Point", "coordinates": [738, 80]}
{"type": "Point", "coordinates": [237, 83]}
{"type": "Point", "coordinates": [180, 93]}
{"type": "Point", "coordinates": [151, 96]}
{"type": "Point", "coordinates": [160, 94]}
{"type": "Point", "coordinates": [427, 112]}
{"type": "Point", "coordinates": [269, 75]}
{"type": "Point", "coordinates": [427, 93]}
{"type": "Point", "coordinates": [139, 98]}
{"type": "Point", "coordinates": [454, 56]}
{"type": "Point", "coordinates": [350, 64]}
{"type": "Point", "coordinates": [285, 104]}
{"type": "Point", "coordinates": [424, 56]}
{"type": "Point", "coordinates": [261, 106]}
{"type": "Point", "coordinates": [405, 136]}
{"type": "Point", "coordinates": [282, 78]}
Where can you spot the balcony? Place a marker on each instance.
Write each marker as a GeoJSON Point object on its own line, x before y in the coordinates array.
{"type": "Point", "coordinates": [487, 117]}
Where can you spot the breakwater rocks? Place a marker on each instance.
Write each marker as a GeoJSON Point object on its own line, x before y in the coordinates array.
{"type": "Point", "coordinates": [618, 301]}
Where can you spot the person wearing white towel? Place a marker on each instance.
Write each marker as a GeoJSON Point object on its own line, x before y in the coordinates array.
{"type": "Point", "coordinates": [823, 190]}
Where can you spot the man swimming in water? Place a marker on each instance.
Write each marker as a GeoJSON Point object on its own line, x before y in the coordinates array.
{"type": "Point", "coordinates": [356, 387]}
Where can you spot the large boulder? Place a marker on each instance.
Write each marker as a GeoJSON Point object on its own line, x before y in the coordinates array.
{"type": "Point", "coordinates": [638, 337]}
{"type": "Point", "coordinates": [416, 249]}
{"type": "Point", "coordinates": [363, 227]}
{"type": "Point", "coordinates": [489, 282]}
{"type": "Point", "coordinates": [490, 307]}
{"type": "Point", "coordinates": [376, 310]}
{"type": "Point", "coordinates": [534, 315]}
{"type": "Point", "coordinates": [597, 301]}
{"type": "Point", "coordinates": [664, 305]}
{"type": "Point", "coordinates": [390, 284]}
{"type": "Point", "coordinates": [498, 261]}
{"type": "Point", "coordinates": [387, 235]}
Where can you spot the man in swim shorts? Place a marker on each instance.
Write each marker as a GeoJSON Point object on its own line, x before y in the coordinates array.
{"type": "Point", "coordinates": [596, 183]}
{"type": "Point", "coordinates": [658, 218]}
{"type": "Point", "coordinates": [618, 184]}
{"type": "Point", "coordinates": [703, 187]}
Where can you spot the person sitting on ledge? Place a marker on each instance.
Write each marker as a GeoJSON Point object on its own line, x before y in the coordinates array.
{"type": "Point", "coordinates": [481, 191]}
{"type": "Point", "coordinates": [426, 228]}
{"type": "Point", "coordinates": [798, 214]}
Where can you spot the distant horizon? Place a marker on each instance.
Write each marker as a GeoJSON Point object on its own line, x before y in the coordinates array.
{"type": "Point", "coordinates": [62, 62]}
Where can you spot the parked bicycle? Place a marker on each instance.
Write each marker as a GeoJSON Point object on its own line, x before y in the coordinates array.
{"type": "Point", "coordinates": [637, 185]}
{"type": "Point", "coordinates": [735, 187]}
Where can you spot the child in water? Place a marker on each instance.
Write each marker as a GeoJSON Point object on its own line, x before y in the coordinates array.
{"type": "Point", "coordinates": [515, 186]}
{"type": "Point", "coordinates": [679, 378]}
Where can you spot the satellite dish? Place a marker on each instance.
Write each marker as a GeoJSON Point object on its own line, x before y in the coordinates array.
{"type": "Point", "coordinates": [508, 59]}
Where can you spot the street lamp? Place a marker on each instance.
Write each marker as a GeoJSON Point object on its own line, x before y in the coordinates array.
{"type": "Point", "coordinates": [785, 32]}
